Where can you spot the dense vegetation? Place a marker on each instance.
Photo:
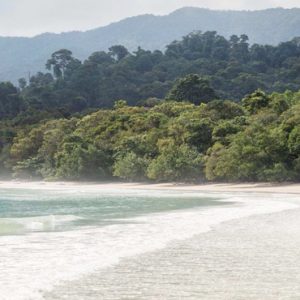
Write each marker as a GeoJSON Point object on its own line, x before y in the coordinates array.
{"type": "Point", "coordinates": [256, 140]}
{"type": "Point", "coordinates": [19, 56]}
{"type": "Point", "coordinates": [171, 124]}
{"type": "Point", "coordinates": [230, 67]}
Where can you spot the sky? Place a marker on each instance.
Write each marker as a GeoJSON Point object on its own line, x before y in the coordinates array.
{"type": "Point", "coordinates": [32, 17]}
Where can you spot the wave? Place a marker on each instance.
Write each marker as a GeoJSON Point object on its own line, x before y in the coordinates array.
{"type": "Point", "coordinates": [37, 263]}
{"type": "Point", "coordinates": [10, 226]}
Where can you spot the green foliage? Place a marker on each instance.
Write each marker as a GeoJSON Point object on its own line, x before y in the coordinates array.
{"type": "Point", "coordinates": [256, 101]}
{"type": "Point", "coordinates": [27, 169]}
{"type": "Point", "coordinates": [11, 103]}
{"type": "Point", "coordinates": [199, 68]}
{"type": "Point", "coordinates": [118, 52]}
{"type": "Point", "coordinates": [120, 104]}
{"type": "Point", "coordinates": [224, 109]}
{"type": "Point", "coordinates": [255, 154]}
{"type": "Point", "coordinates": [59, 62]}
{"type": "Point", "coordinates": [52, 127]}
{"type": "Point", "coordinates": [131, 167]}
{"type": "Point", "coordinates": [192, 88]}
{"type": "Point", "coordinates": [78, 161]}
{"type": "Point", "coordinates": [294, 141]}
{"type": "Point", "coordinates": [176, 163]}
{"type": "Point", "coordinates": [171, 141]}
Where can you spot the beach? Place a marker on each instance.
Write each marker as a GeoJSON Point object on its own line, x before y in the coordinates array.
{"type": "Point", "coordinates": [284, 188]}
{"type": "Point", "coordinates": [249, 258]}
{"type": "Point", "coordinates": [212, 241]}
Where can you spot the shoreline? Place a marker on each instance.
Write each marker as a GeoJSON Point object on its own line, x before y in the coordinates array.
{"type": "Point", "coordinates": [269, 241]}
{"type": "Point", "coordinates": [280, 188]}
{"type": "Point", "coordinates": [89, 251]}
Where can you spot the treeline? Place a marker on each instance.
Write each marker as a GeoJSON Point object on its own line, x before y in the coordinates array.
{"type": "Point", "coordinates": [256, 140]}
{"type": "Point", "coordinates": [231, 66]}
{"type": "Point", "coordinates": [170, 124]}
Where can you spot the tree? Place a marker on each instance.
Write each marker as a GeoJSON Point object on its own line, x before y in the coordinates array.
{"type": "Point", "coordinates": [256, 101]}
{"type": "Point", "coordinates": [294, 141]}
{"type": "Point", "coordinates": [131, 167]}
{"type": "Point", "coordinates": [118, 52]}
{"type": "Point", "coordinates": [99, 58]}
{"type": "Point", "coordinates": [258, 153]}
{"type": "Point", "coordinates": [77, 160]}
{"type": "Point", "coordinates": [192, 88]}
{"type": "Point", "coordinates": [176, 163]}
{"type": "Point", "coordinates": [59, 61]}
{"type": "Point", "coordinates": [240, 48]}
{"type": "Point", "coordinates": [220, 109]}
{"type": "Point", "coordinates": [22, 83]}
{"type": "Point", "coordinates": [11, 103]}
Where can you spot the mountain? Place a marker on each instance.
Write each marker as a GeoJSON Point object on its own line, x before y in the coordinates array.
{"type": "Point", "coordinates": [21, 56]}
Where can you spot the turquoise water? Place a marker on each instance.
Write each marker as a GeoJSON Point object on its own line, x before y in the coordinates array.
{"type": "Point", "coordinates": [49, 236]}
{"type": "Point", "coordinates": [81, 242]}
{"type": "Point", "coordinates": [25, 210]}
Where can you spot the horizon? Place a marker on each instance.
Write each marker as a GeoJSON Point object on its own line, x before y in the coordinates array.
{"type": "Point", "coordinates": [40, 20]}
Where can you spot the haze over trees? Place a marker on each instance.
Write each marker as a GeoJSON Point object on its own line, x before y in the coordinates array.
{"type": "Point", "coordinates": [19, 56]}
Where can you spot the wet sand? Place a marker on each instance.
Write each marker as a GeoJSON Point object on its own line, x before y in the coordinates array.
{"type": "Point", "coordinates": [249, 250]}
{"type": "Point", "coordinates": [249, 258]}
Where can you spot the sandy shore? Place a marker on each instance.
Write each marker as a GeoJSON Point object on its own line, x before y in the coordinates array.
{"type": "Point", "coordinates": [245, 187]}
{"type": "Point", "coordinates": [246, 250]}
{"type": "Point", "coordinates": [248, 258]}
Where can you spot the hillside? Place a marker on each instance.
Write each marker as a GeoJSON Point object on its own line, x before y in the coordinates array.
{"type": "Point", "coordinates": [218, 67]}
{"type": "Point", "coordinates": [23, 55]}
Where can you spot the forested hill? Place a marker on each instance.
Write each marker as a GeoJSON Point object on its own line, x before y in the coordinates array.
{"type": "Point", "coordinates": [73, 123]}
{"type": "Point", "coordinates": [19, 56]}
{"type": "Point", "coordinates": [227, 69]}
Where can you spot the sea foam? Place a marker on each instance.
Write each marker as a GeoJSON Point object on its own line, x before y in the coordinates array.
{"type": "Point", "coordinates": [35, 263]}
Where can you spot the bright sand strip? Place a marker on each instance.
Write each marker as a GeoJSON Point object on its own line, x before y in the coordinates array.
{"type": "Point", "coordinates": [283, 188]}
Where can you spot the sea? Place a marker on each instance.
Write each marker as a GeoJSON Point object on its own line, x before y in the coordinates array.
{"type": "Point", "coordinates": [68, 242]}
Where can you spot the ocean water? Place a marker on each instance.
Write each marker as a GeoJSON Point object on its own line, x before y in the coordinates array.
{"type": "Point", "coordinates": [24, 211]}
{"type": "Point", "coordinates": [53, 239]}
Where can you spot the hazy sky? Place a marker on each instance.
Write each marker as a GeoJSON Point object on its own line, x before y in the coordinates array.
{"type": "Point", "coordinates": [31, 17]}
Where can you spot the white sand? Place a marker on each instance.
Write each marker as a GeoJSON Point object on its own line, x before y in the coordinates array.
{"type": "Point", "coordinates": [250, 258]}
{"type": "Point", "coordinates": [287, 188]}
{"type": "Point", "coordinates": [244, 251]}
